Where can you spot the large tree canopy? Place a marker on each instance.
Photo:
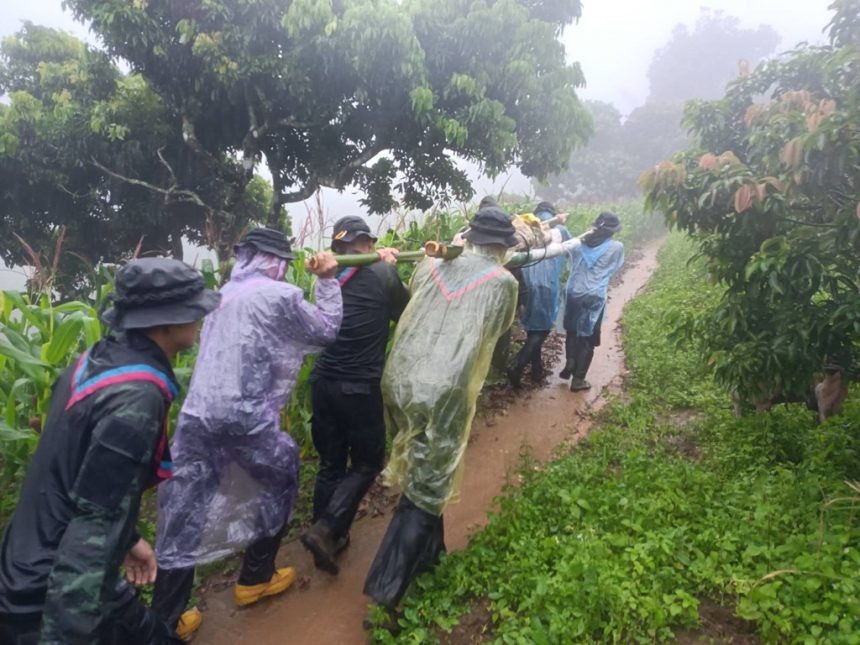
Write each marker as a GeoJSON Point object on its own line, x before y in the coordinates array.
{"type": "Point", "coordinates": [71, 113]}
{"type": "Point", "coordinates": [772, 195]}
{"type": "Point", "coordinates": [380, 94]}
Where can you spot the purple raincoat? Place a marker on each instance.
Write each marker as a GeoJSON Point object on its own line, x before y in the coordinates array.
{"type": "Point", "coordinates": [235, 471]}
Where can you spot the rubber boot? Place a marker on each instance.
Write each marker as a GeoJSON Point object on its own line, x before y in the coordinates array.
{"type": "Point", "coordinates": [569, 355]}
{"type": "Point", "coordinates": [282, 579]}
{"type": "Point", "coordinates": [584, 354]}
{"type": "Point", "coordinates": [320, 541]}
{"type": "Point", "coordinates": [189, 622]}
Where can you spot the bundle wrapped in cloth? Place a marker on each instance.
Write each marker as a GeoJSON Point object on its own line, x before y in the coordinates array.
{"type": "Point", "coordinates": [531, 232]}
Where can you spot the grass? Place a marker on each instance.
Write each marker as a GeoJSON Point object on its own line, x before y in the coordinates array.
{"type": "Point", "coordinates": [670, 503]}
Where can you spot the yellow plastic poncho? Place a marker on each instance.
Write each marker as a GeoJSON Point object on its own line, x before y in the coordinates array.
{"type": "Point", "coordinates": [437, 366]}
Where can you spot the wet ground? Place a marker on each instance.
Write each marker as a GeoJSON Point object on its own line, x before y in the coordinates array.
{"type": "Point", "coordinates": [322, 609]}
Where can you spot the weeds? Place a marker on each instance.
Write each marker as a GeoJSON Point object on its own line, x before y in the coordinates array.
{"type": "Point", "coordinates": [620, 540]}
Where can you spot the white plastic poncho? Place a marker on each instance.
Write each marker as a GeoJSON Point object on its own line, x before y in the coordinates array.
{"type": "Point", "coordinates": [235, 471]}
{"type": "Point", "coordinates": [437, 366]}
{"type": "Point", "coordinates": [591, 268]}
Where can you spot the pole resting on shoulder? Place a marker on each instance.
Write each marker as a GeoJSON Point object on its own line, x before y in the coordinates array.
{"type": "Point", "coordinates": [434, 249]}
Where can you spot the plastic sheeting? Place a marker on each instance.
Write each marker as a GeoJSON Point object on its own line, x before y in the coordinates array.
{"type": "Point", "coordinates": [235, 471]}
{"type": "Point", "coordinates": [437, 366]}
{"type": "Point", "coordinates": [591, 268]}
{"type": "Point", "coordinates": [543, 283]}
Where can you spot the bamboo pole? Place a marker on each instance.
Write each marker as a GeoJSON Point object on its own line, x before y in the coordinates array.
{"type": "Point", "coordinates": [443, 251]}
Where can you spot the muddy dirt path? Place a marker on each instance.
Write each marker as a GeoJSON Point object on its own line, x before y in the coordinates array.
{"type": "Point", "coordinates": [324, 609]}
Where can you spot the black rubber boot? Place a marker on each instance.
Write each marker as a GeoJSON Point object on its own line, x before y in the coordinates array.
{"type": "Point", "coordinates": [584, 354]}
{"type": "Point", "coordinates": [570, 356]}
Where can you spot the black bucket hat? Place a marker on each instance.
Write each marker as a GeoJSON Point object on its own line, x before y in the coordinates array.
{"type": "Point", "coordinates": [608, 222]}
{"type": "Point", "coordinates": [267, 240]}
{"type": "Point", "coordinates": [491, 226]}
{"type": "Point", "coordinates": [546, 207]}
{"type": "Point", "coordinates": [488, 202]}
{"type": "Point", "coordinates": [150, 292]}
{"type": "Point", "coordinates": [348, 229]}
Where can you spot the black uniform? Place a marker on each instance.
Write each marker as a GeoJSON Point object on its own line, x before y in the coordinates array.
{"type": "Point", "coordinates": [348, 424]}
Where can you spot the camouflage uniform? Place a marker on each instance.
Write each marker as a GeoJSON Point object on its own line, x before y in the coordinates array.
{"type": "Point", "coordinates": [79, 504]}
{"type": "Point", "coordinates": [105, 441]}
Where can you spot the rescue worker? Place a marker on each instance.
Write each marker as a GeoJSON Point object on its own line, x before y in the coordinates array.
{"type": "Point", "coordinates": [502, 353]}
{"type": "Point", "coordinates": [592, 265]}
{"type": "Point", "coordinates": [542, 283]}
{"type": "Point", "coordinates": [236, 471]}
{"type": "Point", "coordinates": [348, 425]}
{"type": "Point", "coordinates": [104, 442]}
{"type": "Point", "coordinates": [437, 366]}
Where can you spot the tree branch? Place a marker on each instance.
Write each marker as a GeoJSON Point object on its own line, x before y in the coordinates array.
{"type": "Point", "coordinates": [344, 175]}
{"type": "Point", "coordinates": [169, 193]}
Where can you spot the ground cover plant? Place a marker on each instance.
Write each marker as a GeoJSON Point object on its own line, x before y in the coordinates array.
{"type": "Point", "coordinates": [671, 503]}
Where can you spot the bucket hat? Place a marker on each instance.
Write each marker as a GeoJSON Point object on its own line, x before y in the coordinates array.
{"type": "Point", "coordinates": [268, 240]}
{"type": "Point", "coordinates": [491, 226]}
{"type": "Point", "coordinates": [150, 292]}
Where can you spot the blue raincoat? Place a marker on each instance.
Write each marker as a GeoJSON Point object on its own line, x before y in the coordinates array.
{"type": "Point", "coordinates": [591, 268]}
{"type": "Point", "coordinates": [543, 283]}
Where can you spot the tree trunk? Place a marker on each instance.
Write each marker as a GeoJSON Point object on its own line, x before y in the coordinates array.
{"type": "Point", "coordinates": [176, 249]}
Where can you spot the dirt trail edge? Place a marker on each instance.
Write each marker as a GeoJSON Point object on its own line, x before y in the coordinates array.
{"type": "Point", "coordinates": [330, 609]}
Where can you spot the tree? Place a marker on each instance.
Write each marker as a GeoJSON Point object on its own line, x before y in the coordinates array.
{"type": "Point", "coordinates": [697, 63]}
{"type": "Point", "coordinates": [380, 94]}
{"type": "Point", "coordinates": [771, 193]}
{"type": "Point", "coordinates": [600, 171]}
{"type": "Point", "coordinates": [71, 114]}
{"type": "Point", "coordinates": [694, 63]}
{"type": "Point", "coordinates": [608, 167]}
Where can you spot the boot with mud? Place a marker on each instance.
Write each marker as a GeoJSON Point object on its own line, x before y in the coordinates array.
{"type": "Point", "coordinates": [189, 622]}
{"type": "Point", "coordinates": [579, 384]}
{"type": "Point", "coordinates": [282, 579]}
{"type": "Point", "coordinates": [320, 541]}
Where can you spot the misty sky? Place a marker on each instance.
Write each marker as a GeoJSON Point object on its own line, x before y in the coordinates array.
{"type": "Point", "coordinates": [613, 41]}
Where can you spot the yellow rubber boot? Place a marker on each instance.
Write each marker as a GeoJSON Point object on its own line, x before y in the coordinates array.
{"type": "Point", "coordinates": [189, 622]}
{"type": "Point", "coordinates": [249, 594]}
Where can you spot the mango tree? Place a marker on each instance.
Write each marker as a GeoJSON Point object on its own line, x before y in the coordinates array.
{"type": "Point", "coordinates": [377, 94]}
{"type": "Point", "coordinates": [771, 193]}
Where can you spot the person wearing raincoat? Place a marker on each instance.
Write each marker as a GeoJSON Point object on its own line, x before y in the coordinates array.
{"type": "Point", "coordinates": [592, 265]}
{"type": "Point", "coordinates": [104, 443]}
{"type": "Point", "coordinates": [437, 365]}
{"type": "Point", "coordinates": [235, 471]}
{"type": "Point", "coordinates": [542, 285]}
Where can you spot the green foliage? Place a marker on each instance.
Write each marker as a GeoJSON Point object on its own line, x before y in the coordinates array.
{"type": "Point", "coordinates": [770, 194]}
{"type": "Point", "coordinates": [70, 108]}
{"type": "Point", "coordinates": [669, 501]}
{"type": "Point", "coordinates": [378, 94]}
{"type": "Point", "coordinates": [37, 341]}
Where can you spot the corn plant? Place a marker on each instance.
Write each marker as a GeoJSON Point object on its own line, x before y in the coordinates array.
{"type": "Point", "coordinates": [37, 341]}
